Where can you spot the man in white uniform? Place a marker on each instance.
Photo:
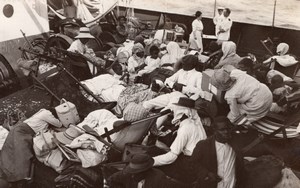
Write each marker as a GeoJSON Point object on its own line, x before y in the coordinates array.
{"type": "Point", "coordinates": [225, 26]}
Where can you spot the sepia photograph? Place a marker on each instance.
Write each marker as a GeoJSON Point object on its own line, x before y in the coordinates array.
{"type": "Point", "coordinates": [149, 94]}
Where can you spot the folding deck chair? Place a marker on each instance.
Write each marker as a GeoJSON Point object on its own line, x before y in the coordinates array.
{"type": "Point", "coordinates": [274, 125]}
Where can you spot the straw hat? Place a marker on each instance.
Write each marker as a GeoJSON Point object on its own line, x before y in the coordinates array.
{"type": "Point", "coordinates": [84, 33]}
{"type": "Point", "coordinates": [68, 135]}
{"type": "Point", "coordinates": [221, 79]}
{"type": "Point", "coordinates": [139, 163]}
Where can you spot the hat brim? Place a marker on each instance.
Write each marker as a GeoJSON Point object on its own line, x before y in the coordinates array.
{"type": "Point", "coordinates": [130, 170]}
{"type": "Point", "coordinates": [177, 104]}
{"type": "Point", "coordinates": [84, 36]}
{"type": "Point", "coordinates": [62, 139]}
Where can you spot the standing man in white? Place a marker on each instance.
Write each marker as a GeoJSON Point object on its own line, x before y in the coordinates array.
{"type": "Point", "coordinates": [225, 26]}
{"type": "Point", "coordinates": [196, 35]}
{"type": "Point", "coordinates": [218, 19]}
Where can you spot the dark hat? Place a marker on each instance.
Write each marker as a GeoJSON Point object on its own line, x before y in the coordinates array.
{"type": "Point", "coordinates": [139, 163]}
{"type": "Point", "coordinates": [186, 102]}
{"type": "Point", "coordinates": [120, 123]}
{"type": "Point", "coordinates": [189, 62]}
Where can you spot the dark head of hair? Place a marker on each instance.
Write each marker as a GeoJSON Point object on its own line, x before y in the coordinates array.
{"type": "Point", "coordinates": [228, 11]}
{"type": "Point", "coordinates": [122, 17]}
{"type": "Point", "coordinates": [154, 49]}
{"type": "Point", "coordinates": [117, 68]}
{"type": "Point", "coordinates": [246, 63]}
{"type": "Point", "coordinates": [277, 79]}
{"type": "Point", "coordinates": [198, 13]}
{"type": "Point", "coordinates": [220, 119]}
{"type": "Point", "coordinates": [214, 46]}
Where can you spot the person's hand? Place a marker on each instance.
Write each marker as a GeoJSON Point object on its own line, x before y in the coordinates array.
{"type": "Point", "coordinates": [178, 86]}
{"type": "Point", "coordinates": [213, 177]}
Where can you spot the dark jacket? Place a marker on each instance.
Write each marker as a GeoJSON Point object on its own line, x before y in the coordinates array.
{"type": "Point", "coordinates": [204, 160]}
{"type": "Point", "coordinates": [153, 179]}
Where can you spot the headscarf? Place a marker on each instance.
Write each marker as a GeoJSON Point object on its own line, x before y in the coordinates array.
{"type": "Point", "coordinates": [228, 49]}
{"type": "Point", "coordinates": [282, 49]}
{"type": "Point", "coordinates": [134, 112]}
{"type": "Point", "coordinates": [173, 55]}
{"type": "Point", "coordinates": [138, 47]}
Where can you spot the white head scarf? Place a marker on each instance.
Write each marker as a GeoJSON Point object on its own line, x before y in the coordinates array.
{"type": "Point", "coordinates": [174, 53]}
{"type": "Point", "coordinates": [282, 49]}
{"type": "Point", "coordinates": [228, 49]}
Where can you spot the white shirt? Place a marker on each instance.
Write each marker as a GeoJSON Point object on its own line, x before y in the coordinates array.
{"type": "Point", "coordinates": [151, 63]}
{"type": "Point", "coordinates": [225, 24]}
{"type": "Point", "coordinates": [98, 120]}
{"type": "Point", "coordinates": [78, 46]}
{"type": "Point", "coordinates": [41, 120]}
{"type": "Point", "coordinates": [197, 25]}
{"type": "Point", "coordinates": [191, 79]}
{"type": "Point", "coordinates": [217, 21]}
{"type": "Point", "coordinates": [226, 165]}
{"type": "Point", "coordinates": [134, 63]}
{"type": "Point", "coordinates": [188, 135]}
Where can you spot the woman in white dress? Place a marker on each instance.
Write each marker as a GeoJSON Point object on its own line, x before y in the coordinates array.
{"type": "Point", "coordinates": [196, 35]}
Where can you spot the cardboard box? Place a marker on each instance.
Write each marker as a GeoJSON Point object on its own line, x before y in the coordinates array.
{"type": "Point", "coordinates": [207, 86]}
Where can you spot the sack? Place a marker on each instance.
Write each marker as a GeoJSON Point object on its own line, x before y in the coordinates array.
{"type": "Point", "coordinates": [42, 143]}
{"type": "Point", "coordinates": [289, 179]}
{"type": "Point", "coordinates": [67, 113]}
{"type": "Point", "coordinates": [89, 157]}
{"type": "Point", "coordinates": [56, 160]}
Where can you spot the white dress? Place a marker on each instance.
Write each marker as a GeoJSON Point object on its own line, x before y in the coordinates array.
{"type": "Point", "coordinates": [197, 27]}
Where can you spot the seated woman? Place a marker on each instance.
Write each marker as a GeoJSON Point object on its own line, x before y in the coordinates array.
{"type": "Point", "coordinates": [244, 94]}
{"type": "Point", "coordinates": [122, 29]}
{"type": "Point", "coordinates": [106, 86]}
{"type": "Point", "coordinates": [280, 91]}
{"type": "Point", "coordinates": [17, 151]}
{"type": "Point", "coordinates": [214, 55]}
{"type": "Point", "coordinates": [136, 61]}
{"type": "Point", "coordinates": [137, 93]}
{"type": "Point", "coordinates": [229, 55]}
{"type": "Point", "coordinates": [174, 53]}
{"type": "Point", "coordinates": [283, 62]}
{"type": "Point", "coordinates": [187, 80]}
{"type": "Point", "coordinates": [190, 132]}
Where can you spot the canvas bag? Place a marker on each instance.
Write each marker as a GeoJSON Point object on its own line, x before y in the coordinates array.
{"type": "Point", "coordinates": [56, 160]}
{"type": "Point", "coordinates": [67, 113]}
{"type": "Point", "coordinates": [42, 143]}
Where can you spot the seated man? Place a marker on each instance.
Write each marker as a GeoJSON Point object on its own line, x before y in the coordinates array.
{"type": "Point", "coordinates": [190, 131]}
{"type": "Point", "coordinates": [79, 46]}
{"type": "Point", "coordinates": [187, 80]}
{"type": "Point", "coordinates": [214, 160]}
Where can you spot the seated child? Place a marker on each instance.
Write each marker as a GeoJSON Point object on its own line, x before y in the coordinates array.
{"type": "Point", "coordinates": [152, 62]}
